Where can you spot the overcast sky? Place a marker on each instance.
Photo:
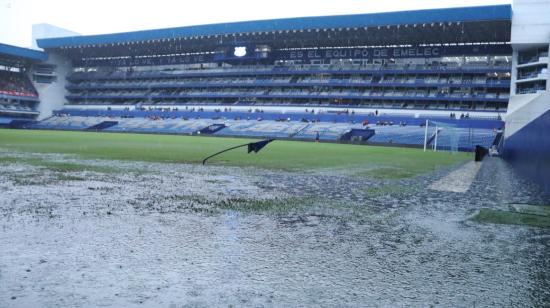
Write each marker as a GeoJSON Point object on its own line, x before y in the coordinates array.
{"type": "Point", "coordinates": [108, 16]}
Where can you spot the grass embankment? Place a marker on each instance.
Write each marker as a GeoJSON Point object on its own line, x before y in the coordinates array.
{"type": "Point", "coordinates": [382, 162]}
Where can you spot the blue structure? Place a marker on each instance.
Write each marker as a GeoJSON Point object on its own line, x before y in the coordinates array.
{"type": "Point", "coordinates": [450, 15]}
{"type": "Point", "coordinates": [22, 54]}
{"type": "Point", "coordinates": [529, 150]}
{"type": "Point", "coordinates": [414, 60]}
{"type": "Point", "coordinates": [314, 76]}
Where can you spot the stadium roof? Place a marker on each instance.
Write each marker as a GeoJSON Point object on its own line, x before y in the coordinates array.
{"type": "Point", "coordinates": [464, 14]}
{"type": "Point", "coordinates": [20, 53]}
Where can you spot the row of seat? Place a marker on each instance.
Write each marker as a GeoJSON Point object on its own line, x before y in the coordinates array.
{"type": "Point", "coordinates": [412, 135]}
{"type": "Point", "coordinates": [453, 80]}
{"type": "Point", "coordinates": [15, 107]}
{"type": "Point", "coordinates": [16, 84]}
{"type": "Point", "coordinates": [122, 73]}
{"type": "Point", "coordinates": [463, 94]}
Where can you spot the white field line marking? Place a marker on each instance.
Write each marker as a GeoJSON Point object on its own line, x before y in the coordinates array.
{"type": "Point", "coordinates": [459, 180]}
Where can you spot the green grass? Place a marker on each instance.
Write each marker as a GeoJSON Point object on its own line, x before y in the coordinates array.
{"type": "Point", "coordinates": [269, 205]}
{"type": "Point", "coordinates": [375, 191]}
{"type": "Point", "coordinates": [512, 218]}
{"type": "Point", "coordinates": [383, 162]}
{"type": "Point", "coordinates": [68, 177]}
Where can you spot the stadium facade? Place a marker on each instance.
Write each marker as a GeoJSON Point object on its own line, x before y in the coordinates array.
{"type": "Point", "coordinates": [301, 78]}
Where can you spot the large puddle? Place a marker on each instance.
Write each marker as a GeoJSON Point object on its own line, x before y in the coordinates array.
{"type": "Point", "coordinates": [186, 235]}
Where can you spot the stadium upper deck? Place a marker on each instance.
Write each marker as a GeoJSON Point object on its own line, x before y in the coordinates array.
{"type": "Point", "coordinates": [446, 59]}
{"type": "Point", "coordinates": [18, 96]}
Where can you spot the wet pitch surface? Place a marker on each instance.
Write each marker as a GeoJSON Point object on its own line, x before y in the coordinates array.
{"type": "Point", "coordinates": [170, 235]}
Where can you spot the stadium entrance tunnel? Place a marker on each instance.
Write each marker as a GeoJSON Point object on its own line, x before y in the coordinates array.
{"type": "Point", "coordinates": [101, 126]}
{"type": "Point", "coordinates": [358, 135]}
{"type": "Point", "coordinates": [211, 129]}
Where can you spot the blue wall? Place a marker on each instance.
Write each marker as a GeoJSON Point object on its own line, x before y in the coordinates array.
{"type": "Point", "coordinates": [529, 150]}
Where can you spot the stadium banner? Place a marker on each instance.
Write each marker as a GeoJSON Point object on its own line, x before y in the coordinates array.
{"type": "Point", "coordinates": [305, 55]}
{"type": "Point", "coordinates": [145, 61]}
{"type": "Point", "coordinates": [394, 52]}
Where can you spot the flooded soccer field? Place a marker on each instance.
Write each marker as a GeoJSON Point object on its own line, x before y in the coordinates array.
{"type": "Point", "coordinates": [147, 234]}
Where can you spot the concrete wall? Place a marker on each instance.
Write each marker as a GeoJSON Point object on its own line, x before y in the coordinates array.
{"type": "Point", "coordinates": [52, 96]}
{"type": "Point", "coordinates": [530, 21]}
{"type": "Point", "coordinates": [525, 109]}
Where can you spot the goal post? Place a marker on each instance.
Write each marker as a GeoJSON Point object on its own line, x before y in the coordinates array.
{"type": "Point", "coordinates": [441, 136]}
{"type": "Point", "coordinates": [426, 135]}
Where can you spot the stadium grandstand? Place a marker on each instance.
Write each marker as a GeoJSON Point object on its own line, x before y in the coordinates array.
{"type": "Point", "coordinates": [18, 96]}
{"type": "Point", "coordinates": [298, 76]}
